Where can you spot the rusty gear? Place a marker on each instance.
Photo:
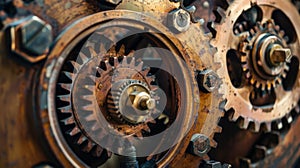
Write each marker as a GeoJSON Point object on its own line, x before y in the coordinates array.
{"type": "Point", "coordinates": [256, 101]}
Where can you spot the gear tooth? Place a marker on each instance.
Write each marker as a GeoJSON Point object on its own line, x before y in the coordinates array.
{"type": "Point", "coordinates": [147, 129]}
{"type": "Point", "coordinates": [263, 87]}
{"type": "Point", "coordinates": [256, 126]}
{"type": "Point", "coordinates": [107, 65]}
{"type": "Point", "coordinates": [252, 33]}
{"type": "Point", "coordinates": [90, 98]}
{"type": "Point", "coordinates": [268, 126]}
{"type": "Point", "coordinates": [91, 88]}
{"type": "Point", "coordinates": [124, 62]}
{"type": "Point", "coordinates": [218, 129]}
{"type": "Point", "coordinates": [89, 146]}
{"type": "Point", "coordinates": [112, 51]}
{"type": "Point", "coordinates": [65, 98]}
{"type": "Point", "coordinates": [73, 131]}
{"type": "Point", "coordinates": [244, 60]}
{"type": "Point", "coordinates": [252, 81]}
{"type": "Point", "coordinates": [289, 118]}
{"type": "Point", "coordinates": [93, 53]}
{"type": "Point", "coordinates": [81, 139]}
{"type": "Point", "coordinates": [68, 121]}
{"type": "Point", "coordinates": [213, 42]}
{"type": "Point", "coordinates": [69, 75]}
{"type": "Point", "coordinates": [235, 116]}
{"type": "Point", "coordinates": [279, 125]}
{"type": "Point", "coordinates": [222, 14]}
{"type": "Point", "coordinates": [89, 107]}
{"type": "Point", "coordinates": [122, 50]}
{"type": "Point", "coordinates": [213, 143]}
{"type": "Point", "coordinates": [278, 81]}
{"type": "Point", "coordinates": [281, 34]}
{"type": "Point", "coordinates": [116, 61]}
{"type": "Point", "coordinates": [83, 57]}
{"type": "Point", "coordinates": [65, 86]}
{"type": "Point", "coordinates": [90, 117]}
{"type": "Point", "coordinates": [75, 65]}
{"type": "Point", "coordinates": [95, 127]}
{"type": "Point", "coordinates": [132, 63]}
{"type": "Point", "coordinates": [257, 85]}
{"type": "Point", "coordinates": [97, 152]}
{"type": "Point", "coordinates": [269, 86]}
{"type": "Point", "coordinates": [66, 109]}
{"type": "Point", "coordinates": [140, 66]}
{"type": "Point", "coordinates": [245, 123]}
{"type": "Point", "coordinates": [130, 54]}
{"type": "Point", "coordinates": [93, 78]}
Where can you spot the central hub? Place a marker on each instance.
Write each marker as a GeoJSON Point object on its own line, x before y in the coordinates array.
{"type": "Point", "coordinates": [269, 56]}
{"type": "Point", "coordinates": [133, 100]}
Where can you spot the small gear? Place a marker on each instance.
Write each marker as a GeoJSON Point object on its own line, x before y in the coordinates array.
{"type": "Point", "coordinates": [263, 82]}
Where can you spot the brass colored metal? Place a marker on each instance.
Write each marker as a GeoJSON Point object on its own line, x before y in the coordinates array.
{"type": "Point", "coordinates": [280, 55]}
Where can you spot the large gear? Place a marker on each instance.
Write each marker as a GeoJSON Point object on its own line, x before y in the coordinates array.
{"type": "Point", "coordinates": [75, 80]}
{"type": "Point", "coordinates": [260, 93]}
{"type": "Point", "coordinates": [86, 74]}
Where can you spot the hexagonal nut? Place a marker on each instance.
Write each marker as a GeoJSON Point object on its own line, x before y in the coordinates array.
{"type": "Point", "coordinates": [30, 38]}
{"type": "Point", "coordinates": [208, 80]}
{"type": "Point", "coordinates": [199, 145]}
{"type": "Point", "coordinates": [178, 20]}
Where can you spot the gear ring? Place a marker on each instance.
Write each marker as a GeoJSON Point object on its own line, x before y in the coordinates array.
{"type": "Point", "coordinates": [256, 105]}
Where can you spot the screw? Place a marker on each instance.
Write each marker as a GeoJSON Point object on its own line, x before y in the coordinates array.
{"type": "Point", "coordinates": [199, 145]}
{"type": "Point", "coordinates": [179, 20]}
{"type": "Point", "coordinates": [31, 38]}
{"type": "Point", "coordinates": [208, 80]}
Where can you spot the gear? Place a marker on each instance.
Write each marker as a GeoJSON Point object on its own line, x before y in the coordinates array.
{"type": "Point", "coordinates": [260, 80]}
{"type": "Point", "coordinates": [260, 61]}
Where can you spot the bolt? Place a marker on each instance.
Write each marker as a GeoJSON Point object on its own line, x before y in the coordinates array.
{"type": "Point", "coordinates": [30, 38]}
{"type": "Point", "coordinates": [179, 20]}
{"type": "Point", "coordinates": [208, 80]}
{"type": "Point", "coordinates": [199, 145]}
{"type": "Point", "coordinates": [279, 54]}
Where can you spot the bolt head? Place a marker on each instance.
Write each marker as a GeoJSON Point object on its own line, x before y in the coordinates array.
{"type": "Point", "coordinates": [30, 38]}
{"type": "Point", "coordinates": [179, 20]}
{"type": "Point", "coordinates": [36, 36]}
{"type": "Point", "coordinates": [199, 145]}
{"type": "Point", "coordinates": [208, 80]}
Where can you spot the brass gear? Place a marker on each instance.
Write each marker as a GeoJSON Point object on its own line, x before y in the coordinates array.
{"type": "Point", "coordinates": [253, 109]}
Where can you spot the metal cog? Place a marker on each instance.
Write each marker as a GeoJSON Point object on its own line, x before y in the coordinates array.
{"type": "Point", "coordinates": [259, 104]}
{"type": "Point", "coordinates": [245, 50]}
